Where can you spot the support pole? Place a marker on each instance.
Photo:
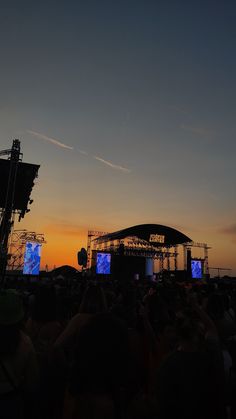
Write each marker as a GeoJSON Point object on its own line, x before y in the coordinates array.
{"type": "Point", "coordinates": [8, 210]}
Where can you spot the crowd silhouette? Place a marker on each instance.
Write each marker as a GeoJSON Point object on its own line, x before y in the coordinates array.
{"type": "Point", "coordinates": [84, 349]}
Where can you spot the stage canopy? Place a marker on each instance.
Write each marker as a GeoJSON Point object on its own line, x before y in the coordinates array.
{"type": "Point", "coordinates": [155, 234]}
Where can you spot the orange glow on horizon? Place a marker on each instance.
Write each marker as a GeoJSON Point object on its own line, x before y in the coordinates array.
{"type": "Point", "coordinates": [61, 249]}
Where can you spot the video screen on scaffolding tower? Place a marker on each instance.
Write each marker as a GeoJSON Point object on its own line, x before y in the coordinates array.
{"type": "Point", "coordinates": [103, 263]}
{"type": "Point", "coordinates": [32, 258]}
{"type": "Point", "coordinates": [196, 268]}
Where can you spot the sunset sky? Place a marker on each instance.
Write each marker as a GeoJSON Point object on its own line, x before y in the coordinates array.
{"type": "Point", "coordinates": [130, 109]}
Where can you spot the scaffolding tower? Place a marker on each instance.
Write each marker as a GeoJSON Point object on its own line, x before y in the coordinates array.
{"type": "Point", "coordinates": [205, 247]}
{"type": "Point", "coordinates": [167, 256]}
{"type": "Point", "coordinates": [18, 240]}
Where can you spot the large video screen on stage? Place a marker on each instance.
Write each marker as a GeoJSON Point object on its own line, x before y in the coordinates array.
{"type": "Point", "coordinates": [103, 263]}
{"type": "Point", "coordinates": [32, 258]}
{"type": "Point", "coordinates": [196, 268]}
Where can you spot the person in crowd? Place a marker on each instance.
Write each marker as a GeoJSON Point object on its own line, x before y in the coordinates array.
{"type": "Point", "coordinates": [190, 382]}
{"type": "Point", "coordinates": [93, 302]}
{"type": "Point", "coordinates": [43, 327]}
{"type": "Point", "coordinates": [218, 307]}
{"type": "Point", "coordinates": [19, 374]}
{"type": "Point", "coordinates": [99, 374]}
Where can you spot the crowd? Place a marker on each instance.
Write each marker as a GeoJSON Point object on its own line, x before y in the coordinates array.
{"type": "Point", "coordinates": [117, 350]}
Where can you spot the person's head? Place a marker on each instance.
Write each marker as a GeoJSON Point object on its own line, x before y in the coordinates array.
{"type": "Point", "coordinates": [94, 300]}
{"type": "Point", "coordinates": [189, 332]}
{"type": "Point", "coordinates": [11, 316]}
{"type": "Point", "coordinates": [215, 306]}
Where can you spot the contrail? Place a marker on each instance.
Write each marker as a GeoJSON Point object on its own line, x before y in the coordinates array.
{"type": "Point", "coordinates": [81, 151]}
{"type": "Point", "coordinates": [114, 166]}
{"type": "Point", "coordinates": [50, 140]}
{"type": "Point", "coordinates": [65, 146]}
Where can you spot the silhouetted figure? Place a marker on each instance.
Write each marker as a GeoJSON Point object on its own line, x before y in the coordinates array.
{"type": "Point", "coordinates": [19, 375]}
{"type": "Point", "coordinates": [100, 370]}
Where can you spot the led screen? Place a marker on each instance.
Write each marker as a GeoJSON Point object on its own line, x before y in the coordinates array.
{"type": "Point", "coordinates": [196, 268]}
{"type": "Point", "coordinates": [32, 258]}
{"type": "Point", "coordinates": [103, 265]}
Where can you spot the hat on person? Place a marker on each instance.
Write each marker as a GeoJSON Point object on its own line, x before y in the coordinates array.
{"type": "Point", "coordinates": [11, 308]}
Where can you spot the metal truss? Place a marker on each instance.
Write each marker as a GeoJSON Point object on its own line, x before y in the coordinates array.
{"type": "Point", "coordinates": [18, 240]}
{"type": "Point", "coordinates": [133, 246]}
{"type": "Point", "coordinates": [205, 247]}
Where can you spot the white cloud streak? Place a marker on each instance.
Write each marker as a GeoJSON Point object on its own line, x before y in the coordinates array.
{"type": "Point", "coordinates": [81, 152]}
{"type": "Point", "coordinates": [50, 140]}
{"type": "Point", "coordinates": [58, 143]}
{"type": "Point", "coordinates": [110, 164]}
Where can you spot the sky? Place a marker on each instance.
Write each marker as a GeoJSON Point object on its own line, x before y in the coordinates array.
{"type": "Point", "coordinates": [129, 108]}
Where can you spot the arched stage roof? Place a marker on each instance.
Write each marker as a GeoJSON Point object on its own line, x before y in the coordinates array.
{"type": "Point", "coordinates": [155, 234]}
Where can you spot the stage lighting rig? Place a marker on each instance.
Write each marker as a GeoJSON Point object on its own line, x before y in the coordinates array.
{"type": "Point", "coordinates": [16, 183]}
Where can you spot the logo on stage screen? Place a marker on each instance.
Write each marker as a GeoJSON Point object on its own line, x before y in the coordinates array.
{"type": "Point", "coordinates": [32, 258]}
{"type": "Point", "coordinates": [156, 238]}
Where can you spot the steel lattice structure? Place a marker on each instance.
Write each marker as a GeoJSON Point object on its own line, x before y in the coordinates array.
{"type": "Point", "coordinates": [134, 246]}
{"type": "Point", "coordinates": [166, 254]}
{"type": "Point", "coordinates": [16, 183]}
{"type": "Point", "coordinates": [18, 240]}
{"type": "Point", "coordinates": [205, 247]}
